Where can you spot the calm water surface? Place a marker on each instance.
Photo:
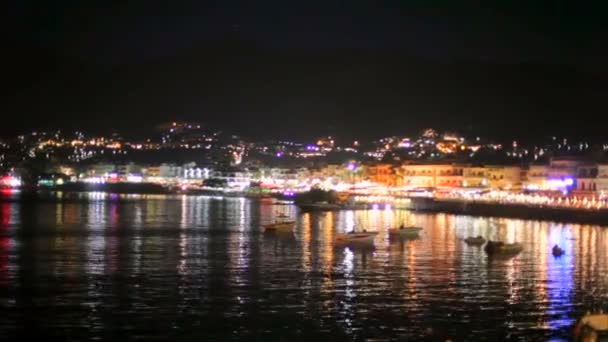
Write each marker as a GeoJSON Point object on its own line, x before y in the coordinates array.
{"type": "Point", "coordinates": [185, 268]}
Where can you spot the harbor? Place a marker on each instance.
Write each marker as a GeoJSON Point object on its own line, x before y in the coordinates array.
{"type": "Point", "coordinates": [154, 253]}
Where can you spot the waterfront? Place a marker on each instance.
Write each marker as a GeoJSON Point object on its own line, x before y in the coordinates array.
{"type": "Point", "coordinates": [188, 267]}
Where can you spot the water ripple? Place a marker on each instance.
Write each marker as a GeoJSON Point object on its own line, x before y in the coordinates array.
{"type": "Point", "coordinates": [196, 267]}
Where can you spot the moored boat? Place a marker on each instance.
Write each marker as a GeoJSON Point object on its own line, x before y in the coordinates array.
{"type": "Point", "coordinates": [557, 251]}
{"type": "Point", "coordinates": [280, 226]}
{"type": "Point", "coordinates": [501, 248]}
{"type": "Point", "coordinates": [364, 237]}
{"type": "Point", "coordinates": [475, 241]}
{"type": "Point", "coordinates": [404, 231]}
{"type": "Point", "coordinates": [592, 327]}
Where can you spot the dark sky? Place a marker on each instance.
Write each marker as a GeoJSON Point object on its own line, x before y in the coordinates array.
{"type": "Point", "coordinates": [305, 68]}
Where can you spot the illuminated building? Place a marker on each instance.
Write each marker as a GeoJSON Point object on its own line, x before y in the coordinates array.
{"type": "Point", "coordinates": [384, 174]}
{"type": "Point", "coordinates": [447, 147]}
{"type": "Point", "coordinates": [587, 179]}
{"type": "Point", "coordinates": [563, 167]}
{"type": "Point", "coordinates": [279, 176]}
{"type": "Point", "coordinates": [326, 144]}
{"type": "Point", "coordinates": [429, 133]}
{"type": "Point", "coordinates": [503, 177]}
{"type": "Point", "coordinates": [559, 175]}
{"type": "Point", "coordinates": [602, 177]}
{"type": "Point", "coordinates": [536, 177]}
{"type": "Point", "coordinates": [474, 177]}
{"type": "Point", "coordinates": [563, 172]}
{"type": "Point", "coordinates": [593, 179]}
{"type": "Point", "coordinates": [100, 169]}
{"type": "Point", "coordinates": [432, 175]}
{"type": "Point", "coordinates": [170, 171]}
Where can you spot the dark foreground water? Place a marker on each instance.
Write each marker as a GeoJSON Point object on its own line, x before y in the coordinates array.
{"type": "Point", "coordinates": [200, 268]}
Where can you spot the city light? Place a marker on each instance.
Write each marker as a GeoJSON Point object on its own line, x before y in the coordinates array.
{"type": "Point", "coordinates": [134, 178]}
{"type": "Point", "coordinates": [10, 181]}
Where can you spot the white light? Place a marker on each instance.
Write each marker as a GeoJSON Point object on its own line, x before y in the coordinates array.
{"type": "Point", "coordinates": [134, 179]}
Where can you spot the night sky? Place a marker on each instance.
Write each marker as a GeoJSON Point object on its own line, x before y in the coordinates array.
{"type": "Point", "coordinates": [277, 68]}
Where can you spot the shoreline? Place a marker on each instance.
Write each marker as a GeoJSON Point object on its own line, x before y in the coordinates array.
{"type": "Point", "coordinates": [420, 204]}
{"type": "Point", "coordinates": [508, 210]}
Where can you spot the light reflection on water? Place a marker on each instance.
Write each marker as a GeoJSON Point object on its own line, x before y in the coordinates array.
{"type": "Point", "coordinates": [197, 267]}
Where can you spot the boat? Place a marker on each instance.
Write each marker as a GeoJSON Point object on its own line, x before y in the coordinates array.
{"type": "Point", "coordinates": [557, 251]}
{"type": "Point", "coordinates": [405, 231]}
{"type": "Point", "coordinates": [501, 248]}
{"type": "Point", "coordinates": [280, 226]}
{"type": "Point", "coordinates": [352, 237]}
{"type": "Point", "coordinates": [592, 327]}
{"type": "Point", "coordinates": [475, 241]}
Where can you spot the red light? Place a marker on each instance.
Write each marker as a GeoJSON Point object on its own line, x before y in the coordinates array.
{"type": "Point", "coordinates": [9, 181]}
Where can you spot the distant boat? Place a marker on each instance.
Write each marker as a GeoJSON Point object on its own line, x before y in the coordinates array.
{"type": "Point", "coordinates": [501, 248]}
{"type": "Point", "coordinates": [592, 327]}
{"type": "Point", "coordinates": [475, 241]}
{"type": "Point", "coordinates": [405, 231]}
{"type": "Point", "coordinates": [285, 226]}
{"type": "Point", "coordinates": [557, 251]}
{"type": "Point", "coordinates": [364, 237]}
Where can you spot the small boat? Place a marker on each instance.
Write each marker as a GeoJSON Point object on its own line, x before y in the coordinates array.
{"type": "Point", "coordinates": [279, 226]}
{"type": "Point", "coordinates": [475, 241]}
{"type": "Point", "coordinates": [410, 231]}
{"type": "Point", "coordinates": [352, 237]}
{"type": "Point", "coordinates": [592, 327]}
{"type": "Point", "coordinates": [557, 251]}
{"type": "Point", "coordinates": [501, 248]}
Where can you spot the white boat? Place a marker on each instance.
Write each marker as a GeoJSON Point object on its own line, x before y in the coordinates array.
{"type": "Point", "coordinates": [364, 237]}
{"type": "Point", "coordinates": [409, 231]}
{"type": "Point", "coordinates": [592, 327]}
{"type": "Point", "coordinates": [280, 226]}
